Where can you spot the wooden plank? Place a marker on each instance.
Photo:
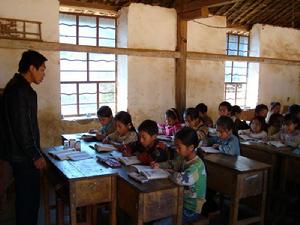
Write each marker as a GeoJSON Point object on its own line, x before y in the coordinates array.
{"type": "Point", "coordinates": [195, 14]}
{"type": "Point", "coordinates": [94, 5]}
{"type": "Point", "coordinates": [53, 46]}
{"type": "Point", "coordinates": [198, 4]}
{"type": "Point", "coordinates": [180, 78]}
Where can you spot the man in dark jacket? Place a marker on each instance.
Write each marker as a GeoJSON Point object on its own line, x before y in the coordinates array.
{"type": "Point", "coordinates": [22, 135]}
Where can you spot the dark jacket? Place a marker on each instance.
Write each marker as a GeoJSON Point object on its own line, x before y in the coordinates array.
{"type": "Point", "coordinates": [21, 129]}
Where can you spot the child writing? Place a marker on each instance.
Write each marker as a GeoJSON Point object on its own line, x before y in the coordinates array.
{"type": "Point", "coordinates": [275, 124]}
{"type": "Point", "coordinates": [290, 133]}
{"type": "Point", "coordinates": [192, 120]}
{"type": "Point", "coordinates": [225, 109]}
{"type": "Point", "coordinates": [225, 142]}
{"type": "Point", "coordinates": [261, 110]}
{"type": "Point", "coordinates": [172, 124]}
{"type": "Point", "coordinates": [187, 170]}
{"type": "Point", "coordinates": [125, 132]}
{"type": "Point", "coordinates": [148, 149]}
{"type": "Point", "coordinates": [202, 110]}
{"type": "Point", "coordinates": [107, 122]}
{"type": "Point", "coordinates": [257, 128]}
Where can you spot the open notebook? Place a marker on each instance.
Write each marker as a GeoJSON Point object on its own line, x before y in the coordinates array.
{"type": "Point", "coordinates": [277, 144]}
{"type": "Point", "coordinates": [104, 148]}
{"type": "Point", "coordinates": [144, 174]}
{"type": "Point", "coordinates": [127, 161]}
{"type": "Point", "coordinates": [209, 150]}
{"type": "Point", "coordinates": [69, 154]}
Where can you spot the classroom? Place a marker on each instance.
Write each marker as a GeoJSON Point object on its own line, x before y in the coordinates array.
{"type": "Point", "coordinates": [131, 112]}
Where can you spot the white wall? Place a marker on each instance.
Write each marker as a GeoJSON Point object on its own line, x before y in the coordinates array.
{"type": "Point", "coordinates": [205, 79]}
{"type": "Point", "coordinates": [151, 81]}
{"type": "Point", "coordinates": [278, 82]}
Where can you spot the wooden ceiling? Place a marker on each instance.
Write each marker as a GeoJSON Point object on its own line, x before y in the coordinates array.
{"type": "Point", "coordinates": [245, 13]}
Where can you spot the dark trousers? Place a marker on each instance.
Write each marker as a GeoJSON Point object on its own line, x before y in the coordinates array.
{"type": "Point", "coordinates": [27, 182]}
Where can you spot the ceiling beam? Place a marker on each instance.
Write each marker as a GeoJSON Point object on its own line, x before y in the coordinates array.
{"type": "Point", "coordinates": [85, 4]}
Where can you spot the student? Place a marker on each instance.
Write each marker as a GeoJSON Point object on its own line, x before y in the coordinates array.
{"type": "Point", "coordinates": [202, 110]}
{"type": "Point", "coordinates": [225, 109]}
{"type": "Point", "coordinates": [236, 112]}
{"type": "Point", "coordinates": [172, 124]}
{"type": "Point", "coordinates": [261, 110]}
{"type": "Point", "coordinates": [148, 149]}
{"type": "Point", "coordinates": [257, 128]}
{"type": "Point", "coordinates": [192, 120]}
{"type": "Point", "coordinates": [274, 108]}
{"type": "Point", "coordinates": [125, 132]}
{"type": "Point", "coordinates": [225, 142]}
{"type": "Point", "coordinates": [275, 124]}
{"type": "Point", "coordinates": [22, 135]}
{"type": "Point", "coordinates": [295, 110]}
{"type": "Point", "coordinates": [107, 122]}
{"type": "Point", "coordinates": [290, 133]}
{"type": "Point", "coordinates": [187, 170]}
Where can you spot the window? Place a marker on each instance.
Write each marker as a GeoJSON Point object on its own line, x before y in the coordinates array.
{"type": "Point", "coordinates": [88, 80]}
{"type": "Point", "coordinates": [236, 72]}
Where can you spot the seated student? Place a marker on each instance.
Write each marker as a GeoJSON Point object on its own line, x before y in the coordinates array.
{"type": "Point", "coordinates": [202, 110]}
{"type": "Point", "coordinates": [187, 170]}
{"type": "Point", "coordinates": [257, 128]}
{"type": "Point", "coordinates": [148, 149]}
{"type": "Point", "coordinates": [295, 110]}
{"type": "Point", "coordinates": [290, 133]}
{"type": "Point", "coordinates": [172, 124]}
{"type": "Point", "coordinates": [275, 124]}
{"type": "Point", "coordinates": [274, 108]}
{"type": "Point", "coordinates": [192, 120]}
{"type": "Point", "coordinates": [225, 142]}
{"type": "Point", "coordinates": [236, 112]}
{"type": "Point", "coordinates": [107, 122]}
{"type": "Point", "coordinates": [261, 110]}
{"type": "Point", "coordinates": [225, 109]}
{"type": "Point", "coordinates": [125, 132]}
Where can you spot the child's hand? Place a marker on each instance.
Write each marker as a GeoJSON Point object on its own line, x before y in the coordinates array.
{"type": "Point", "coordinates": [154, 165]}
{"type": "Point", "coordinates": [216, 146]}
{"type": "Point", "coordinates": [106, 141]}
{"type": "Point", "coordinates": [100, 137]}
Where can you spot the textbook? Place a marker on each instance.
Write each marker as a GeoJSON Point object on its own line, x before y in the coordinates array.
{"type": "Point", "coordinates": [88, 137]}
{"type": "Point", "coordinates": [127, 161]}
{"type": "Point", "coordinates": [69, 153]}
{"type": "Point", "coordinates": [245, 137]}
{"type": "Point", "coordinates": [277, 144]}
{"type": "Point", "coordinates": [165, 138]}
{"type": "Point", "coordinates": [144, 174]}
{"type": "Point", "coordinates": [104, 147]}
{"type": "Point", "coordinates": [209, 150]}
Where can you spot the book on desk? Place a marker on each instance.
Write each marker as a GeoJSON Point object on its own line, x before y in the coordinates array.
{"type": "Point", "coordinates": [144, 174]}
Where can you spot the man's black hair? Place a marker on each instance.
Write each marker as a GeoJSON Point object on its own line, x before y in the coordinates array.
{"type": "Point", "coordinates": [201, 108]}
{"type": "Point", "coordinates": [227, 105]}
{"type": "Point", "coordinates": [291, 118]}
{"type": "Point", "coordinates": [104, 111]}
{"type": "Point", "coordinates": [187, 136]}
{"type": "Point", "coordinates": [149, 126]}
{"type": "Point", "coordinates": [225, 122]}
{"type": "Point", "coordinates": [29, 58]}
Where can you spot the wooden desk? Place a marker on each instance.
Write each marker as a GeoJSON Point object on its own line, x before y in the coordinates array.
{"type": "Point", "coordinates": [89, 183]}
{"type": "Point", "coordinates": [238, 177]}
{"type": "Point", "coordinates": [143, 202]}
{"type": "Point", "coordinates": [151, 201]}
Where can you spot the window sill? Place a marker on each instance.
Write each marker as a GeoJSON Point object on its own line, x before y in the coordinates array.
{"type": "Point", "coordinates": [80, 118]}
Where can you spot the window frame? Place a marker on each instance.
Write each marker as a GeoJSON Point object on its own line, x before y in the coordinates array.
{"type": "Point", "coordinates": [77, 83]}
{"type": "Point", "coordinates": [232, 68]}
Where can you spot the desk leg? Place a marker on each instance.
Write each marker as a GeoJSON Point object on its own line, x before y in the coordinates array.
{"type": "Point", "coordinates": [140, 208]}
{"type": "Point", "coordinates": [178, 217]}
{"type": "Point", "coordinates": [263, 198]}
{"type": "Point", "coordinates": [234, 210]}
{"type": "Point", "coordinates": [283, 175]}
{"type": "Point", "coordinates": [46, 198]}
{"type": "Point", "coordinates": [72, 204]}
{"type": "Point", "coordinates": [113, 204]}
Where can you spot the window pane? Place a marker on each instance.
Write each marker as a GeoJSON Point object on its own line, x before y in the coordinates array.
{"type": "Point", "coordinates": [228, 70]}
{"type": "Point", "coordinates": [244, 40]}
{"type": "Point", "coordinates": [107, 97]}
{"type": "Point", "coordinates": [68, 110]}
{"type": "Point", "coordinates": [102, 62]}
{"type": "Point", "coordinates": [67, 28]}
{"type": "Point", "coordinates": [68, 94]}
{"type": "Point", "coordinates": [242, 79]}
{"type": "Point", "coordinates": [228, 63]}
{"type": "Point", "coordinates": [88, 88]}
{"type": "Point", "coordinates": [102, 76]}
{"type": "Point", "coordinates": [232, 38]}
{"type": "Point", "coordinates": [227, 78]}
{"type": "Point", "coordinates": [107, 42]}
{"type": "Point", "coordinates": [230, 52]}
{"type": "Point", "coordinates": [73, 76]}
{"type": "Point", "coordinates": [87, 109]}
{"type": "Point", "coordinates": [87, 30]}
{"type": "Point", "coordinates": [106, 87]}
{"type": "Point", "coordinates": [232, 46]}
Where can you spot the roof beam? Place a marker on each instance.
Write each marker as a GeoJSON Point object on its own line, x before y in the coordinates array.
{"type": "Point", "coordinates": [94, 5]}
